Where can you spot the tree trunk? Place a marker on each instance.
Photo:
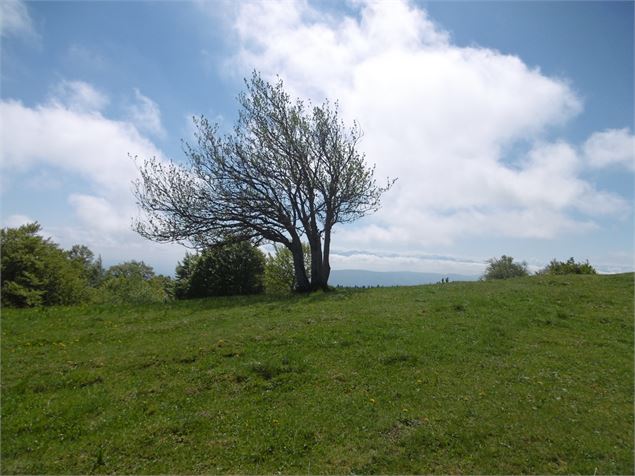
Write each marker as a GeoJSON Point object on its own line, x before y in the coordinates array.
{"type": "Point", "coordinates": [326, 266]}
{"type": "Point", "coordinates": [316, 261]}
{"type": "Point", "coordinates": [302, 284]}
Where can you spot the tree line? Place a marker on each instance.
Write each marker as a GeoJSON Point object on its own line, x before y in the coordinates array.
{"type": "Point", "coordinates": [37, 272]}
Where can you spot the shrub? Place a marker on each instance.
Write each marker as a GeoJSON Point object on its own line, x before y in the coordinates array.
{"type": "Point", "coordinates": [504, 268]}
{"type": "Point", "coordinates": [230, 269]}
{"type": "Point", "coordinates": [568, 267]}
{"type": "Point", "coordinates": [133, 282]}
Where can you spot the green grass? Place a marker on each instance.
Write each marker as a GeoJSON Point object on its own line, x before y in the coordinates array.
{"type": "Point", "coordinates": [530, 375]}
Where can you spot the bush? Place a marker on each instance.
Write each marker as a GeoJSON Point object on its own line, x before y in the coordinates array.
{"type": "Point", "coordinates": [133, 282]}
{"type": "Point", "coordinates": [35, 271]}
{"type": "Point", "coordinates": [279, 272]}
{"type": "Point", "coordinates": [226, 270]}
{"type": "Point", "coordinates": [504, 268]}
{"type": "Point", "coordinates": [568, 267]}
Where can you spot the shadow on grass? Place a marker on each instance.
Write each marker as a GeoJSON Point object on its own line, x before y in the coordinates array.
{"type": "Point", "coordinates": [224, 302]}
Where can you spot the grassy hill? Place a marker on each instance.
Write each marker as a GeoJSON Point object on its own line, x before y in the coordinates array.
{"type": "Point", "coordinates": [531, 375]}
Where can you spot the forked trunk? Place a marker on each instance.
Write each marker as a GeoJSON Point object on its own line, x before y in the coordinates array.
{"type": "Point", "coordinates": [316, 262]}
{"type": "Point", "coordinates": [320, 267]}
{"type": "Point", "coordinates": [302, 283]}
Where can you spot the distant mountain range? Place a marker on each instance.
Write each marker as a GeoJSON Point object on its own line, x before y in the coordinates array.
{"type": "Point", "coordinates": [360, 277]}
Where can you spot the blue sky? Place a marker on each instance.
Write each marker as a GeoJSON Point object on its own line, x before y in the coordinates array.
{"type": "Point", "coordinates": [508, 124]}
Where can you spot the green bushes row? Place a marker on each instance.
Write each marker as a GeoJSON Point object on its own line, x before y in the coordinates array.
{"type": "Point", "coordinates": [505, 267]}
{"type": "Point", "coordinates": [38, 272]}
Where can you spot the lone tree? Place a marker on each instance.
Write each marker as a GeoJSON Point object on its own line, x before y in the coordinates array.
{"type": "Point", "coordinates": [287, 171]}
{"type": "Point", "coordinates": [504, 268]}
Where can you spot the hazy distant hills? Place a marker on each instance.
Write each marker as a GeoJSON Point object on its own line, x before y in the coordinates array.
{"type": "Point", "coordinates": [360, 277]}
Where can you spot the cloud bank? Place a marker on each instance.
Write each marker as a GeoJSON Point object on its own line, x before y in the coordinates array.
{"type": "Point", "coordinates": [465, 129]}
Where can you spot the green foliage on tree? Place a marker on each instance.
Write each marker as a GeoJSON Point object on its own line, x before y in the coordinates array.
{"type": "Point", "coordinates": [92, 268]}
{"type": "Point", "coordinates": [226, 270]}
{"type": "Point", "coordinates": [279, 275]}
{"type": "Point", "coordinates": [568, 267]}
{"type": "Point", "coordinates": [504, 268]}
{"type": "Point", "coordinates": [35, 271]}
{"type": "Point", "coordinates": [184, 271]}
{"type": "Point", "coordinates": [131, 270]}
{"type": "Point", "coordinates": [134, 282]}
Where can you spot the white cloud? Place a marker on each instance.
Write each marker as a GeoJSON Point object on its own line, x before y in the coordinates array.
{"type": "Point", "coordinates": [78, 96]}
{"type": "Point", "coordinates": [407, 262]}
{"type": "Point", "coordinates": [101, 215]}
{"type": "Point", "coordinates": [79, 143]}
{"type": "Point", "coordinates": [611, 147]}
{"type": "Point", "coordinates": [439, 117]}
{"type": "Point", "coordinates": [146, 115]}
{"type": "Point", "coordinates": [15, 19]}
{"type": "Point", "coordinates": [76, 141]}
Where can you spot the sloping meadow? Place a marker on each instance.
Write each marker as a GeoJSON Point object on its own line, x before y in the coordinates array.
{"type": "Point", "coordinates": [529, 375]}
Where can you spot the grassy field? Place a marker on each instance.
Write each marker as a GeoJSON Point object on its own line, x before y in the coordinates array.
{"type": "Point", "coordinates": [530, 375]}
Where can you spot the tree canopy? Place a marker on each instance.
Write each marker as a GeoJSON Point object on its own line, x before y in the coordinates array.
{"type": "Point", "coordinates": [504, 268]}
{"type": "Point", "coordinates": [288, 171]}
{"type": "Point", "coordinates": [36, 271]}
